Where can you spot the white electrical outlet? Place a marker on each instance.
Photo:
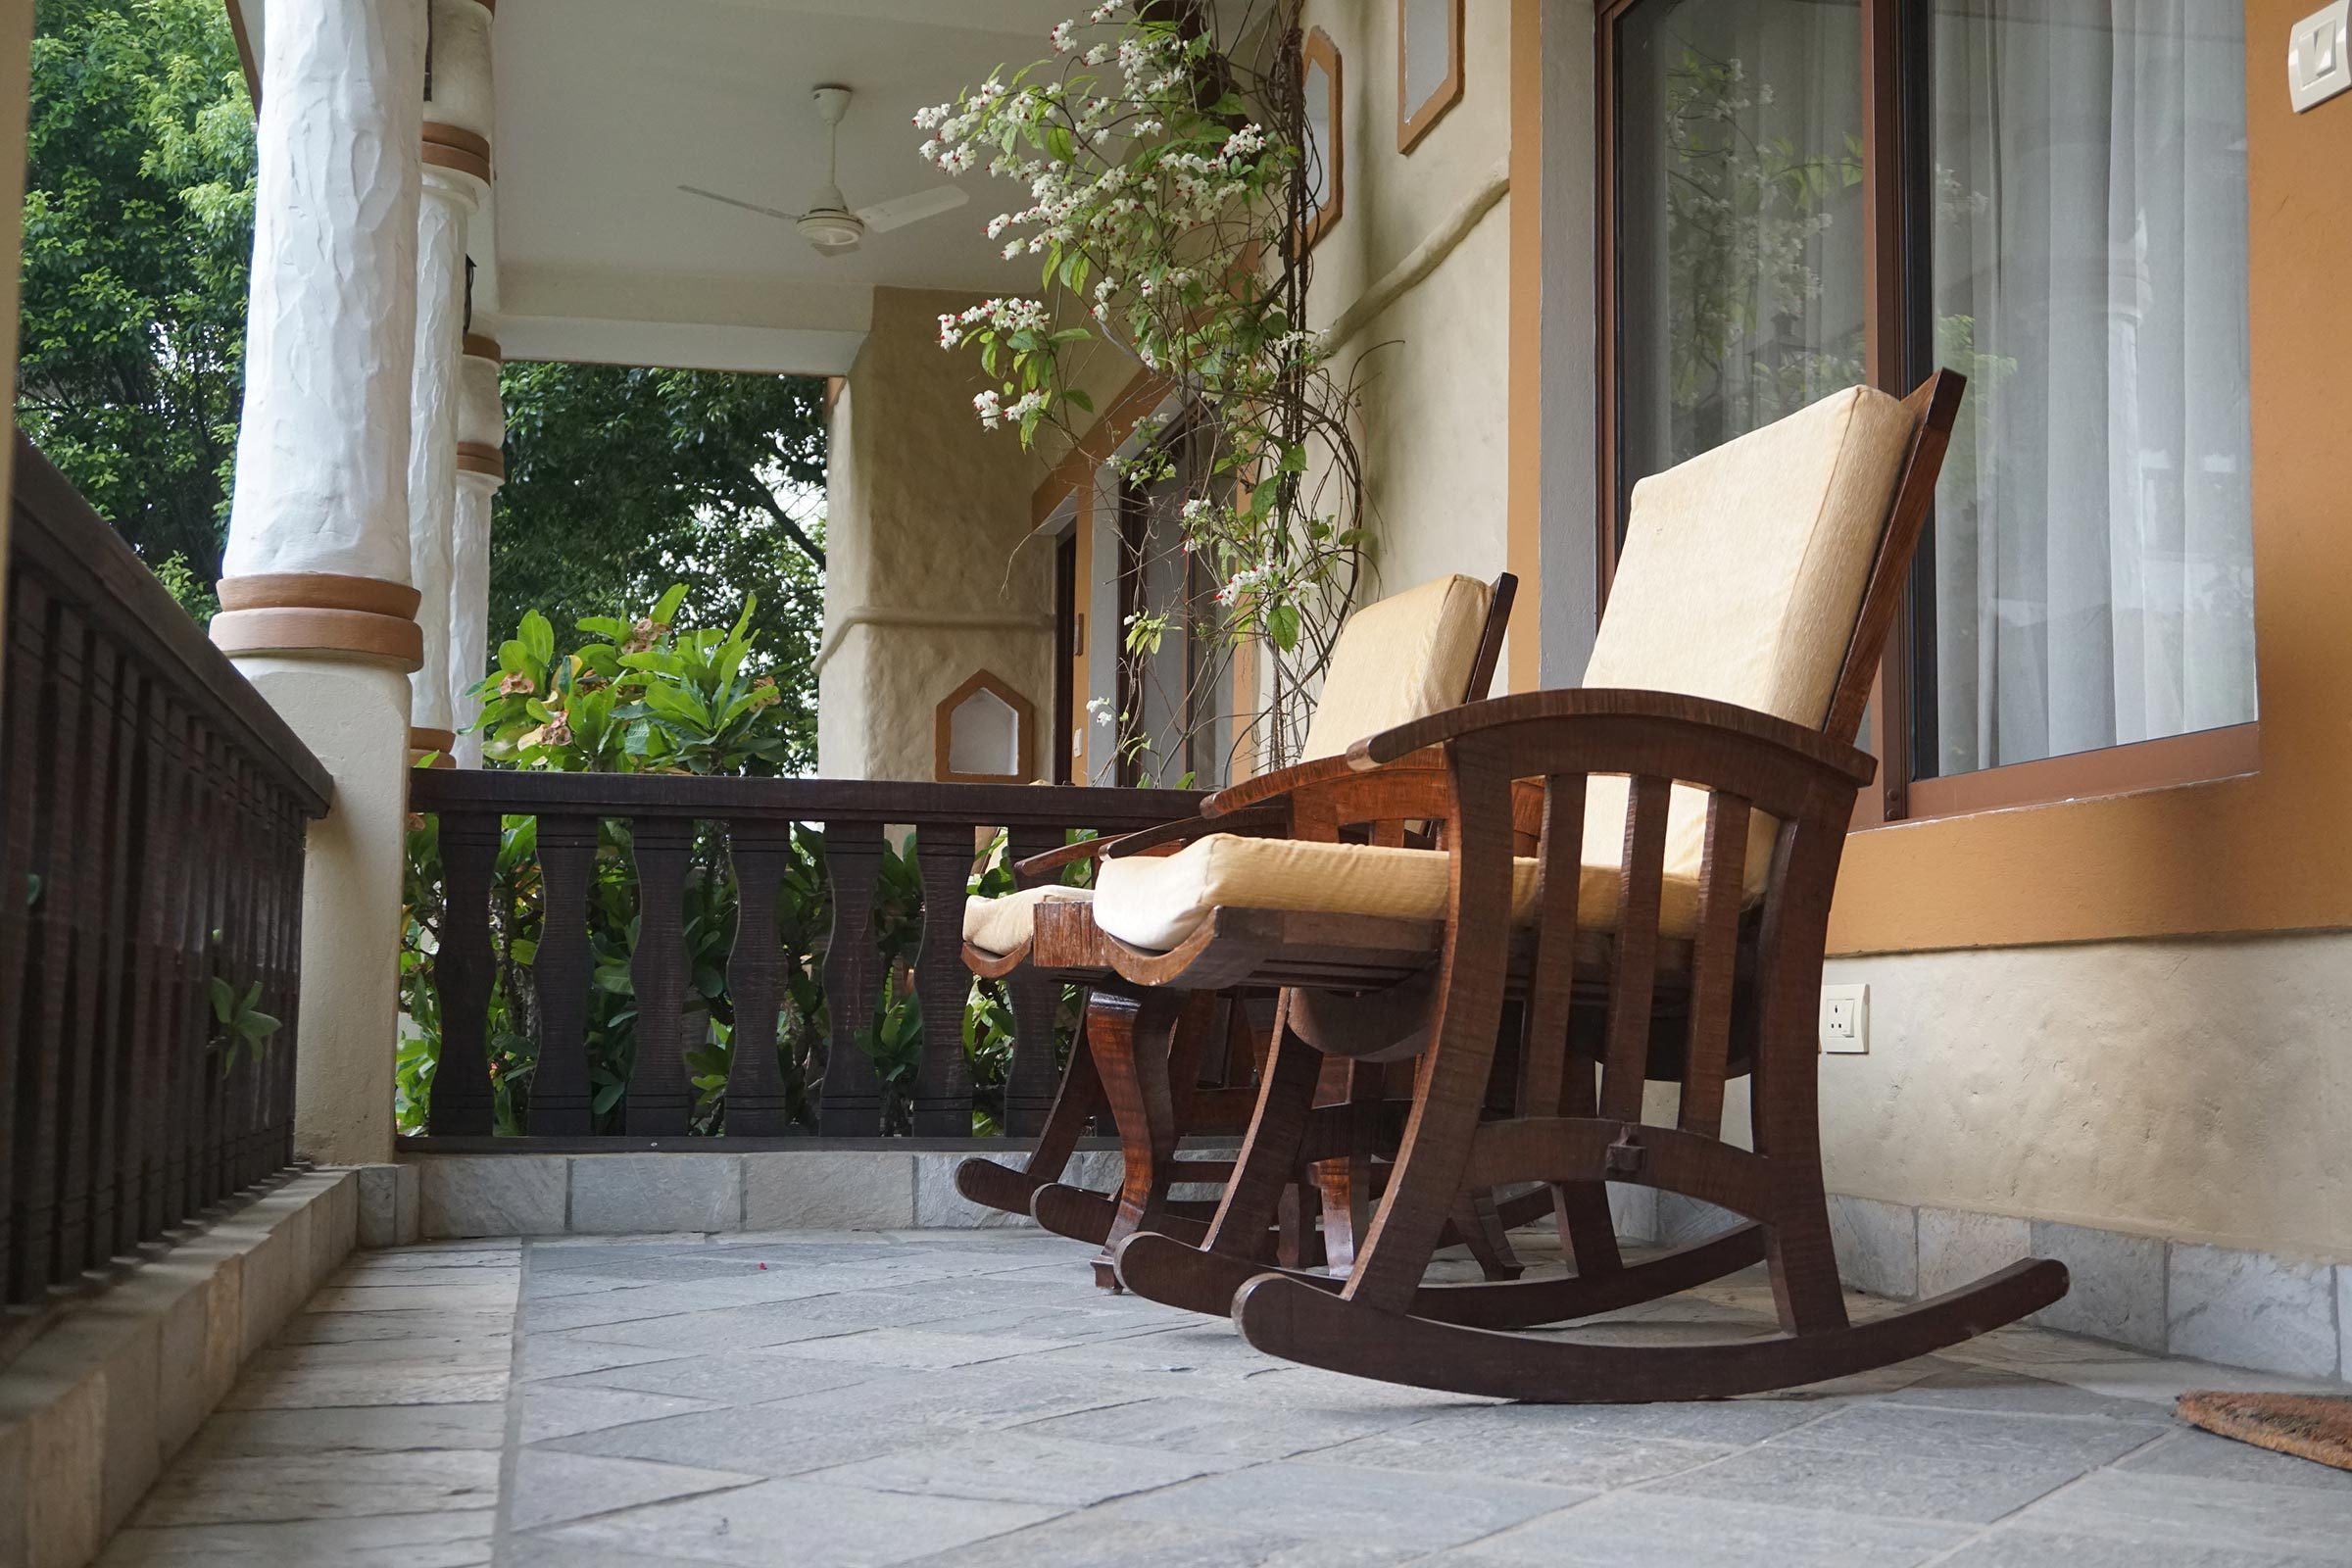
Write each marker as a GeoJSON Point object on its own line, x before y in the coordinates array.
{"type": "Point", "coordinates": [2319, 56]}
{"type": "Point", "coordinates": [1845, 1020]}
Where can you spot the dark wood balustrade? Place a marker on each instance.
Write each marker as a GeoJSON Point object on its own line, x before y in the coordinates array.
{"type": "Point", "coordinates": [152, 811]}
{"type": "Point", "coordinates": [757, 816]}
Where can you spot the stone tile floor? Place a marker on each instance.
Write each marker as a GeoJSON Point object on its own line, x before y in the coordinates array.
{"type": "Point", "coordinates": [968, 1398]}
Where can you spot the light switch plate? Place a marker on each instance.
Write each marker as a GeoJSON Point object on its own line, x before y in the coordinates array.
{"type": "Point", "coordinates": [1845, 1020]}
{"type": "Point", "coordinates": [2319, 56]}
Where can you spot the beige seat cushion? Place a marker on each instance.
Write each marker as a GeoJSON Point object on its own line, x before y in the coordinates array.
{"type": "Point", "coordinates": [1156, 901]}
{"type": "Point", "coordinates": [1405, 658]}
{"type": "Point", "coordinates": [1740, 579]}
{"type": "Point", "coordinates": [1004, 925]}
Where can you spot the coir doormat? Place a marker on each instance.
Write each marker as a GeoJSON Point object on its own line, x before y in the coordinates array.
{"type": "Point", "coordinates": [2308, 1426]}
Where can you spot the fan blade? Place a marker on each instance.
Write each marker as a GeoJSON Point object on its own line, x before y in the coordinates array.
{"type": "Point", "coordinates": [900, 211]}
{"type": "Point", "coordinates": [749, 207]}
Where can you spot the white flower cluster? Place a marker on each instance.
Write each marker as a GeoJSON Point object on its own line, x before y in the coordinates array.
{"type": "Point", "coordinates": [1241, 582]}
{"type": "Point", "coordinates": [1009, 314]}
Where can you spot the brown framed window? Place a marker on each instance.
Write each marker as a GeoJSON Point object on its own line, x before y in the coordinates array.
{"type": "Point", "coordinates": [1429, 66]}
{"type": "Point", "coordinates": [2046, 195]}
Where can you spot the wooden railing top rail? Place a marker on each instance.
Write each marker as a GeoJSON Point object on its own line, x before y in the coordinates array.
{"type": "Point", "coordinates": [87, 561]}
{"type": "Point", "coordinates": [797, 800]}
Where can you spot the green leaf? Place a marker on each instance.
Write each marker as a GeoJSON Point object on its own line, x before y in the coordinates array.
{"type": "Point", "coordinates": [1282, 624]}
{"type": "Point", "coordinates": [665, 609]}
{"type": "Point", "coordinates": [538, 638]}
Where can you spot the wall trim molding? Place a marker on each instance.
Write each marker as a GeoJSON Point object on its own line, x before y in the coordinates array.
{"type": "Point", "coordinates": [922, 620]}
{"type": "Point", "coordinates": [1423, 259]}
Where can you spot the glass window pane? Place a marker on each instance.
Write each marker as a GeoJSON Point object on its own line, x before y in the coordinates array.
{"type": "Point", "coordinates": [2092, 559]}
{"type": "Point", "coordinates": [1740, 218]}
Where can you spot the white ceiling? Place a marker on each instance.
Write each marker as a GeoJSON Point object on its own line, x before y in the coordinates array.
{"type": "Point", "coordinates": [604, 107]}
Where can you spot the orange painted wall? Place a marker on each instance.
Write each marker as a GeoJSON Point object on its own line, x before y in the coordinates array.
{"type": "Point", "coordinates": [2273, 850]}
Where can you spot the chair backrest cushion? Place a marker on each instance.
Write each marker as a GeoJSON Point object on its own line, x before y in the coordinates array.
{"type": "Point", "coordinates": [1742, 579]}
{"type": "Point", "coordinates": [1405, 658]}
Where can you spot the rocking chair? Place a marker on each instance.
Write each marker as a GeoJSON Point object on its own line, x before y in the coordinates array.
{"type": "Point", "coordinates": [1412, 654]}
{"type": "Point", "coordinates": [1687, 811]}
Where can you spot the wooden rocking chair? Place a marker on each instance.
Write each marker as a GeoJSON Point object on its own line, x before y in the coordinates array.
{"type": "Point", "coordinates": [1410, 654]}
{"type": "Point", "coordinates": [1666, 922]}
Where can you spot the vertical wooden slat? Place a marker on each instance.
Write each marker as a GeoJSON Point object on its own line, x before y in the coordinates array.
{"type": "Point", "coordinates": [218, 871]}
{"type": "Point", "coordinates": [41, 1080]}
{"type": "Point", "coordinates": [80, 1043]}
{"type": "Point", "coordinates": [1031, 1079]}
{"type": "Point", "coordinates": [152, 830]}
{"type": "Point", "coordinates": [116, 982]}
{"type": "Point", "coordinates": [756, 1105]}
{"type": "Point", "coordinates": [1634, 971]}
{"type": "Point", "coordinates": [852, 1106]}
{"type": "Point", "coordinates": [1714, 961]}
{"type": "Point", "coordinates": [464, 1101]}
{"type": "Point", "coordinates": [942, 1089]}
{"type": "Point", "coordinates": [660, 1098]}
{"type": "Point", "coordinates": [182, 998]}
{"type": "Point", "coordinates": [25, 745]}
{"type": "Point", "coordinates": [561, 1098]}
{"type": "Point", "coordinates": [1560, 875]}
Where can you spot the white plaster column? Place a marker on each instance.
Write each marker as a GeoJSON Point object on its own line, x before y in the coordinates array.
{"type": "Point", "coordinates": [317, 605]}
{"type": "Point", "coordinates": [456, 133]}
{"type": "Point", "coordinates": [481, 470]}
{"type": "Point", "coordinates": [450, 200]}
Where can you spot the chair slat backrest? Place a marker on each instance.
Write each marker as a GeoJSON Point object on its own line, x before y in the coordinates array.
{"type": "Point", "coordinates": [1409, 656]}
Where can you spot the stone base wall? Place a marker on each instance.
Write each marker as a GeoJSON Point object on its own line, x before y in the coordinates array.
{"type": "Point", "coordinates": [113, 1385]}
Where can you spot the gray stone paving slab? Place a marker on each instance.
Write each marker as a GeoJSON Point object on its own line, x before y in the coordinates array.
{"type": "Point", "coordinates": [1525, 1443]}
{"type": "Point", "coordinates": [2180, 1511]}
{"type": "Point", "coordinates": [456, 1540]}
{"type": "Point", "coordinates": [969, 1399]}
{"type": "Point", "coordinates": [2188, 1452]}
{"type": "Point", "coordinates": [747, 1377]}
{"type": "Point", "coordinates": [1016, 1467]}
{"type": "Point", "coordinates": [1326, 1501]}
{"type": "Point", "coordinates": [562, 1412]}
{"type": "Point", "coordinates": [1089, 1541]}
{"type": "Point", "coordinates": [550, 1487]}
{"type": "Point", "coordinates": [1180, 1424]}
{"type": "Point", "coordinates": [825, 1527]}
{"type": "Point", "coordinates": [766, 1440]}
{"type": "Point", "coordinates": [1906, 1483]}
{"type": "Point", "coordinates": [1646, 1530]}
{"type": "Point", "coordinates": [2032, 1549]}
{"type": "Point", "coordinates": [361, 1429]}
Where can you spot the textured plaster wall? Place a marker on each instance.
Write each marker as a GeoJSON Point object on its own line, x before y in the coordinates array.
{"type": "Point", "coordinates": [2196, 1088]}
{"type": "Point", "coordinates": [927, 519]}
{"type": "Point", "coordinates": [1433, 430]}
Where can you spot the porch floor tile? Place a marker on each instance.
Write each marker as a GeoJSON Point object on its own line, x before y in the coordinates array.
{"type": "Point", "coordinates": [969, 1399]}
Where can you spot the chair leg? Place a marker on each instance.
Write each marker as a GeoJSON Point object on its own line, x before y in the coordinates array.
{"type": "Point", "coordinates": [1480, 1226]}
{"type": "Point", "coordinates": [1077, 1102]}
{"type": "Point", "coordinates": [1147, 1050]}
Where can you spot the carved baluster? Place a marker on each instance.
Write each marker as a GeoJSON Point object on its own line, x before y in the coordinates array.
{"type": "Point", "coordinates": [1032, 1078]}
{"type": "Point", "coordinates": [660, 1094]}
{"type": "Point", "coordinates": [851, 1106]}
{"type": "Point", "coordinates": [562, 1096]}
{"type": "Point", "coordinates": [463, 1103]}
{"type": "Point", "coordinates": [943, 1091]}
{"type": "Point", "coordinates": [755, 1092]}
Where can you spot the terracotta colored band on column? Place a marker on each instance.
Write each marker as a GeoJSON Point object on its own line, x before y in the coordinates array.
{"type": "Point", "coordinates": [454, 147]}
{"type": "Point", "coordinates": [479, 457]}
{"type": "Point", "coordinates": [480, 347]}
{"type": "Point", "coordinates": [319, 613]}
{"type": "Point", "coordinates": [421, 739]}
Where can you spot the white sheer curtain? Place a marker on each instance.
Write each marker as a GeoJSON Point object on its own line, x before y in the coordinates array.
{"type": "Point", "coordinates": [2094, 558]}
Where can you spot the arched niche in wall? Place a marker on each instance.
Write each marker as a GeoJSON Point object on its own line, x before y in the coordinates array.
{"type": "Point", "coordinates": [984, 732]}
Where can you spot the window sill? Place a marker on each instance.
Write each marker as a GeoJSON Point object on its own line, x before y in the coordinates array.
{"type": "Point", "coordinates": [2203, 758]}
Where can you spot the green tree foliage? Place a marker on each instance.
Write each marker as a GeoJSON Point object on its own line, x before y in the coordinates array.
{"type": "Point", "coordinates": [138, 239]}
{"type": "Point", "coordinates": [138, 231]}
{"type": "Point", "coordinates": [621, 483]}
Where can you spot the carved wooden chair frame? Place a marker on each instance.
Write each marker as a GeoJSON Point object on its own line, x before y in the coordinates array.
{"type": "Point", "coordinates": [1141, 1057]}
{"type": "Point", "coordinates": [1596, 1016]}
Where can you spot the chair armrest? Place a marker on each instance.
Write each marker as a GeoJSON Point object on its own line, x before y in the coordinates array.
{"type": "Point", "coordinates": [1269, 819]}
{"type": "Point", "coordinates": [1672, 708]}
{"type": "Point", "coordinates": [1045, 860]}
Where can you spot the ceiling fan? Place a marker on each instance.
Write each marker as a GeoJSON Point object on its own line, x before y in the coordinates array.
{"type": "Point", "coordinates": [830, 224]}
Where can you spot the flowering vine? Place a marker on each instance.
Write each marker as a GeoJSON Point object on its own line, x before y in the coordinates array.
{"type": "Point", "coordinates": [1167, 172]}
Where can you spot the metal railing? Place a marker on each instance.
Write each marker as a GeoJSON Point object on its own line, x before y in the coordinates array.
{"type": "Point", "coordinates": [153, 812]}
{"type": "Point", "coordinates": [741, 831]}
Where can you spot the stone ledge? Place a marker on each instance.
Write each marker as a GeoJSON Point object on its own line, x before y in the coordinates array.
{"type": "Point", "coordinates": [110, 1390]}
